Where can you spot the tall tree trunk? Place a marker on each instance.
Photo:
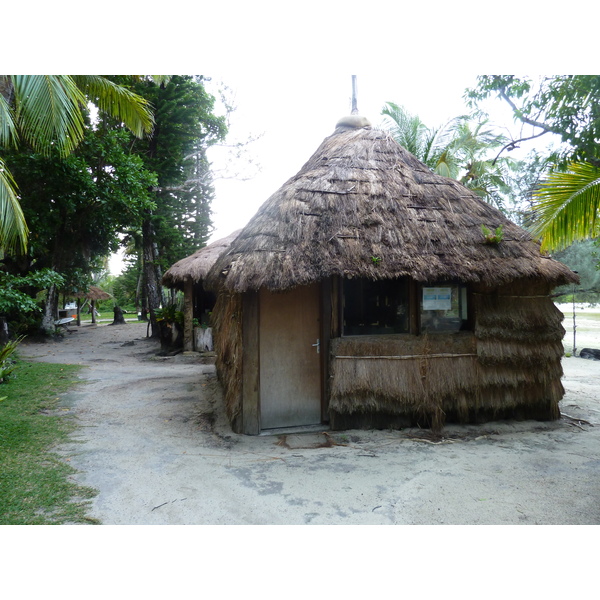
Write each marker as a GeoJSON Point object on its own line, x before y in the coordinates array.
{"type": "Point", "coordinates": [152, 283]}
{"type": "Point", "coordinates": [50, 310]}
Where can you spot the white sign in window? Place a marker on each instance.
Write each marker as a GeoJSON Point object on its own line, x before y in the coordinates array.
{"type": "Point", "coordinates": [437, 298]}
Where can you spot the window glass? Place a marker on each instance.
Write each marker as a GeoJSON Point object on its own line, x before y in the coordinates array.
{"type": "Point", "coordinates": [443, 308]}
{"type": "Point", "coordinates": [375, 307]}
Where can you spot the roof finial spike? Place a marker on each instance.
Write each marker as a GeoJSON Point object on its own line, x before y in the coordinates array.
{"type": "Point", "coordinates": [354, 120]}
{"type": "Point", "coordinates": [354, 96]}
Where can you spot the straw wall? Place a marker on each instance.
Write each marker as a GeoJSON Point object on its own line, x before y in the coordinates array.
{"type": "Point", "coordinates": [419, 377]}
{"type": "Point", "coordinates": [227, 326]}
{"type": "Point", "coordinates": [519, 345]}
{"type": "Point", "coordinates": [508, 367]}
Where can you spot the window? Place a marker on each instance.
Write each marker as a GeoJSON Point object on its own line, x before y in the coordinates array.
{"type": "Point", "coordinates": [375, 307]}
{"type": "Point", "coordinates": [393, 306]}
{"type": "Point", "coordinates": [444, 308]}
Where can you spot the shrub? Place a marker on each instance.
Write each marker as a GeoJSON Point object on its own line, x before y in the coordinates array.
{"type": "Point", "coordinates": [7, 364]}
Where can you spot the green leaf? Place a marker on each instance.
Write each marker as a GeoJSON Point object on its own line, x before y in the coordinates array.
{"type": "Point", "coordinates": [48, 112]}
{"type": "Point", "coordinates": [8, 129]}
{"type": "Point", "coordinates": [13, 228]}
{"type": "Point", "coordinates": [119, 102]}
{"type": "Point", "coordinates": [567, 205]}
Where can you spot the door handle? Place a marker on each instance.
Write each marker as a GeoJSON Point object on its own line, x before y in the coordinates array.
{"type": "Point", "coordinates": [317, 346]}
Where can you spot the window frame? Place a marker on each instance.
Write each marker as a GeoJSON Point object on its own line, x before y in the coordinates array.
{"type": "Point", "coordinates": [464, 312]}
{"type": "Point", "coordinates": [402, 296]}
{"type": "Point", "coordinates": [414, 304]}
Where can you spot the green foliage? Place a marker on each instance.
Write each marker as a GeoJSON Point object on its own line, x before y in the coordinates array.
{"type": "Point", "coordinates": [169, 314]}
{"type": "Point", "coordinates": [428, 145]}
{"type": "Point", "coordinates": [17, 293]}
{"type": "Point", "coordinates": [492, 238]}
{"type": "Point", "coordinates": [7, 364]}
{"type": "Point", "coordinates": [47, 113]}
{"type": "Point", "coordinates": [582, 257]}
{"type": "Point", "coordinates": [76, 206]}
{"type": "Point", "coordinates": [463, 149]}
{"type": "Point", "coordinates": [13, 227]}
{"type": "Point", "coordinates": [523, 180]}
{"type": "Point", "coordinates": [36, 486]}
{"type": "Point", "coordinates": [565, 105]}
{"type": "Point", "coordinates": [125, 285]}
{"type": "Point", "coordinates": [567, 206]}
{"type": "Point", "coordinates": [185, 127]}
{"type": "Point", "coordinates": [567, 202]}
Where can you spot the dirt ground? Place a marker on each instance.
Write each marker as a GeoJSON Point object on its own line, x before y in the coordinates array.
{"type": "Point", "coordinates": [155, 443]}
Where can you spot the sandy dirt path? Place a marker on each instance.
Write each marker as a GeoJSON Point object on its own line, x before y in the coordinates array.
{"type": "Point", "coordinates": [155, 443]}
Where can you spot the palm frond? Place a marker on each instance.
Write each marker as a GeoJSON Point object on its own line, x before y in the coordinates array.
{"type": "Point", "coordinates": [411, 133]}
{"type": "Point", "coordinates": [446, 164]}
{"type": "Point", "coordinates": [8, 130]}
{"type": "Point", "coordinates": [567, 206]}
{"type": "Point", "coordinates": [123, 104]}
{"type": "Point", "coordinates": [13, 228]}
{"type": "Point", "coordinates": [48, 112]}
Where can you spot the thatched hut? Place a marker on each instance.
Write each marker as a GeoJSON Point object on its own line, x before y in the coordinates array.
{"type": "Point", "coordinates": [364, 293]}
{"type": "Point", "coordinates": [93, 294]}
{"type": "Point", "coordinates": [187, 275]}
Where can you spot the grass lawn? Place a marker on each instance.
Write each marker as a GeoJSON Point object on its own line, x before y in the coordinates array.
{"type": "Point", "coordinates": [36, 487]}
{"type": "Point", "coordinates": [105, 315]}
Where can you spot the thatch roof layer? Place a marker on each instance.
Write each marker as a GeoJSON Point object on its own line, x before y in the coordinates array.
{"type": "Point", "coordinates": [197, 265]}
{"type": "Point", "coordinates": [94, 293]}
{"type": "Point", "coordinates": [363, 206]}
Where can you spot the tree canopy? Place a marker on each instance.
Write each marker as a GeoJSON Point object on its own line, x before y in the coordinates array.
{"type": "Point", "coordinates": [565, 105]}
{"type": "Point", "coordinates": [567, 201]}
{"type": "Point", "coordinates": [47, 114]}
{"type": "Point", "coordinates": [87, 184]}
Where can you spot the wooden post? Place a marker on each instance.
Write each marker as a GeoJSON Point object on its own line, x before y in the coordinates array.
{"type": "Point", "coordinates": [78, 312]}
{"type": "Point", "coordinates": [188, 315]}
{"type": "Point", "coordinates": [93, 305]}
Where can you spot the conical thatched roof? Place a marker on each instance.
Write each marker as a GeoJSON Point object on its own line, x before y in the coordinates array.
{"type": "Point", "coordinates": [93, 293]}
{"type": "Point", "coordinates": [363, 206]}
{"type": "Point", "coordinates": [197, 265]}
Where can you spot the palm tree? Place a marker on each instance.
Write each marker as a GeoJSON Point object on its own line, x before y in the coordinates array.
{"type": "Point", "coordinates": [481, 174]}
{"type": "Point", "coordinates": [567, 206]}
{"type": "Point", "coordinates": [430, 146]}
{"type": "Point", "coordinates": [47, 112]}
{"type": "Point", "coordinates": [456, 150]}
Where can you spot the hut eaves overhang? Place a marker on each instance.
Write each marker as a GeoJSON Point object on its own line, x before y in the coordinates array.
{"type": "Point", "coordinates": [363, 206]}
{"type": "Point", "coordinates": [196, 266]}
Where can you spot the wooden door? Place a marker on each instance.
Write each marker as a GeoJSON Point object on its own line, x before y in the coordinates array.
{"type": "Point", "coordinates": [290, 360]}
